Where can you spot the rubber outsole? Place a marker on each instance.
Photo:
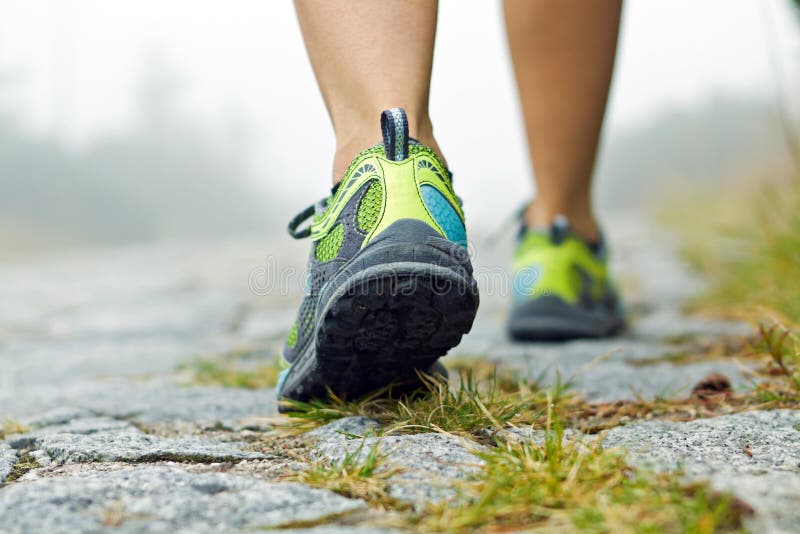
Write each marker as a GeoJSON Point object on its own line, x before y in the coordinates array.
{"type": "Point", "coordinates": [392, 310]}
{"type": "Point", "coordinates": [552, 319]}
{"type": "Point", "coordinates": [381, 327]}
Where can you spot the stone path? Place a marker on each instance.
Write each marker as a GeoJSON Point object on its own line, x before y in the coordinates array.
{"type": "Point", "coordinates": [91, 348]}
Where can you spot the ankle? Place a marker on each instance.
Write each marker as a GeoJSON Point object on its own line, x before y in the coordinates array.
{"type": "Point", "coordinates": [357, 139]}
{"type": "Point", "coordinates": [581, 219]}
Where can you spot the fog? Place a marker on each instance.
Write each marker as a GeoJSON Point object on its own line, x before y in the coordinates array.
{"type": "Point", "coordinates": [141, 121]}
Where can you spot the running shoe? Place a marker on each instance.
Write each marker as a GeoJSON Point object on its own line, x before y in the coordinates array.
{"type": "Point", "coordinates": [390, 287]}
{"type": "Point", "coordinates": [561, 287]}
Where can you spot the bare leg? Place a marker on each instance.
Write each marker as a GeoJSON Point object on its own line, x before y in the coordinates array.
{"type": "Point", "coordinates": [563, 55]}
{"type": "Point", "coordinates": [369, 56]}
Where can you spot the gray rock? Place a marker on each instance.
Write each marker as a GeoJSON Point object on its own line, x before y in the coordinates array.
{"type": "Point", "coordinates": [67, 321]}
{"type": "Point", "coordinates": [754, 455]}
{"type": "Point", "coordinates": [339, 529]}
{"type": "Point", "coordinates": [600, 370]}
{"type": "Point", "coordinates": [8, 457]}
{"type": "Point", "coordinates": [57, 416]}
{"type": "Point", "coordinates": [708, 446]}
{"type": "Point", "coordinates": [162, 499]}
{"type": "Point", "coordinates": [537, 436]}
{"type": "Point", "coordinates": [143, 401]}
{"type": "Point", "coordinates": [89, 425]}
{"type": "Point", "coordinates": [671, 322]}
{"type": "Point", "coordinates": [428, 463]}
{"type": "Point", "coordinates": [354, 426]}
{"type": "Point", "coordinates": [132, 445]}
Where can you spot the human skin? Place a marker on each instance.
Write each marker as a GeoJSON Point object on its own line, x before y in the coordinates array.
{"type": "Point", "coordinates": [373, 55]}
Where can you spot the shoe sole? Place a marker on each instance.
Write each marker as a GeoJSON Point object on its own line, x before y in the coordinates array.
{"type": "Point", "coordinates": [552, 319]}
{"type": "Point", "coordinates": [384, 323]}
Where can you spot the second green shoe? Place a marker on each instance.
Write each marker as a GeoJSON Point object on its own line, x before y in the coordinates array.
{"type": "Point", "coordinates": [390, 286]}
{"type": "Point", "coordinates": [561, 287]}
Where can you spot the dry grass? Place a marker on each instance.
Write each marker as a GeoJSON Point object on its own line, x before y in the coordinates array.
{"type": "Point", "coordinates": [359, 474]}
{"type": "Point", "coordinates": [556, 485]}
{"type": "Point", "coordinates": [10, 426]}
{"type": "Point", "coordinates": [230, 373]}
{"type": "Point", "coordinates": [476, 400]}
{"type": "Point", "coordinates": [562, 485]}
{"type": "Point", "coordinates": [482, 396]}
{"type": "Point", "coordinates": [747, 244]}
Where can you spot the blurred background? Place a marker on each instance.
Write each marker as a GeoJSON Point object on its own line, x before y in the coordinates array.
{"type": "Point", "coordinates": [139, 121]}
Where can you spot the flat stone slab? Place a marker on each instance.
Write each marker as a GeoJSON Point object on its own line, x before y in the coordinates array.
{"type": "Point", "coordinates": [601, 370]}
{"type": "Point", "coordinates": [340, 429]}
{"type": "Point", "coordinates": [162, 499]}
{"type": "Point", "coordinates": [754, 455]}
{"type": "Point", "coordinates": [88, 425]}
{"type": "Point", "coordinates": [131, 445]}
{"type": "Point", "coordinates": [428, 463]}
{"type": "Point", "coordinates": [60, 415]}
{"type": "Point", "coordinates": [143, 401]}
{"type": "Point", "coordinates": [8, 457]}
{"type": "Point", "coordinates": [344, 529]}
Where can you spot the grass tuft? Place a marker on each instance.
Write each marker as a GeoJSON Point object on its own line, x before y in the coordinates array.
{"type": "Point", "coordinates": [467, 406]}
{"type": "Point", "coordinates": [781, 347]}
{"type": "Point", "coordinates": [10, 426]}
{"type": "Point", "coordinates": [358, 475]}
{"type": "Point", "coordinates": [561, 485]}
{"type": "Point", "coordinates": [752, 262]}
{"type": "Point", "coordinates": [227, 373]}
{"type": "Point", "coordinates": [548, 484]}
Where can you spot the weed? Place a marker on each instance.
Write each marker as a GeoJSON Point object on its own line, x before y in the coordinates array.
{"type": "Point", "coordinates": [357, 475]}
{"type": "Point", "coordinates": [226, 373]}
{"type": "Point", "coordinates": [753, 262]}
{"type": "Point", "coordinates": [781, 347]}
{"type": "Point", "coordinates": [562, 485]}
{"type": "Point", "coordinates": [24, 463]}
{"type": "Point", "coordinates": [10, 426]}
{"type": "Point", "coordinates": [468, 406]}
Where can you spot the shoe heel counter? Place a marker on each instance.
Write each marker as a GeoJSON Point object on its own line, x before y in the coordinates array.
{"type": "Point", "coordinates": [401, 197]}
{"type": "Point", "coordinates": [413, 182]}
{"type": "Point", "coordinates": [408, 195]}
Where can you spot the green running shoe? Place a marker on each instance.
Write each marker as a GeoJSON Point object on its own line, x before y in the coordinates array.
{"type": "Point", "coordinates": [390, 286]}
{"type": "Point", "coordinates": [561, 288]}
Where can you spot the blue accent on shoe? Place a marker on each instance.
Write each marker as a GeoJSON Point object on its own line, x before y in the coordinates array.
{"type": "Point", "coordinates": [282, 380]}
{"type": "Point", "coordinates": [444, 214]}
{"type": "Point", "coordinates": [394, 126]}
{"type": "Point", "coordinates": [524, 283]}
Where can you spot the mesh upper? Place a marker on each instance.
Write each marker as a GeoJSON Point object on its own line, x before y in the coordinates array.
{"type": "Point", "coordinates": [369, 209]}
{"type": "Point", "coordinates": [358, 218]}
{"type": "Point", "coordinates": [328, 247]}
{"type": "Point", "coordinates": [291, 340]}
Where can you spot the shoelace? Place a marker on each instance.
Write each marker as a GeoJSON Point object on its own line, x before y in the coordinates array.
{"type": "Point", "coordinates": [501, 230]}
{"type": "Point", "coordinates": [303, 216]}
{"type": "Point", "coordinates": [319, 207]}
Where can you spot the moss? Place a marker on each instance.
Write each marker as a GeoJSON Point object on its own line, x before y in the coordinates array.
{"type": "Point", "coordinates": [25, 463]}
{"type": "Point", "coordinates": [358, 475]}
{"type": "Point", "coordinates": [566, 486]}
{"type": "Point", "coordinates": [229, 372]}
{"type": "Point", "coordinates": [10, 426]}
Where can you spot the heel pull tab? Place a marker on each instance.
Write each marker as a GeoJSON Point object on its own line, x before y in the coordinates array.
{"type": "Point", "coordinates": [394, 126]}
{"type": "Point", "coordinates": [559, 229]}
